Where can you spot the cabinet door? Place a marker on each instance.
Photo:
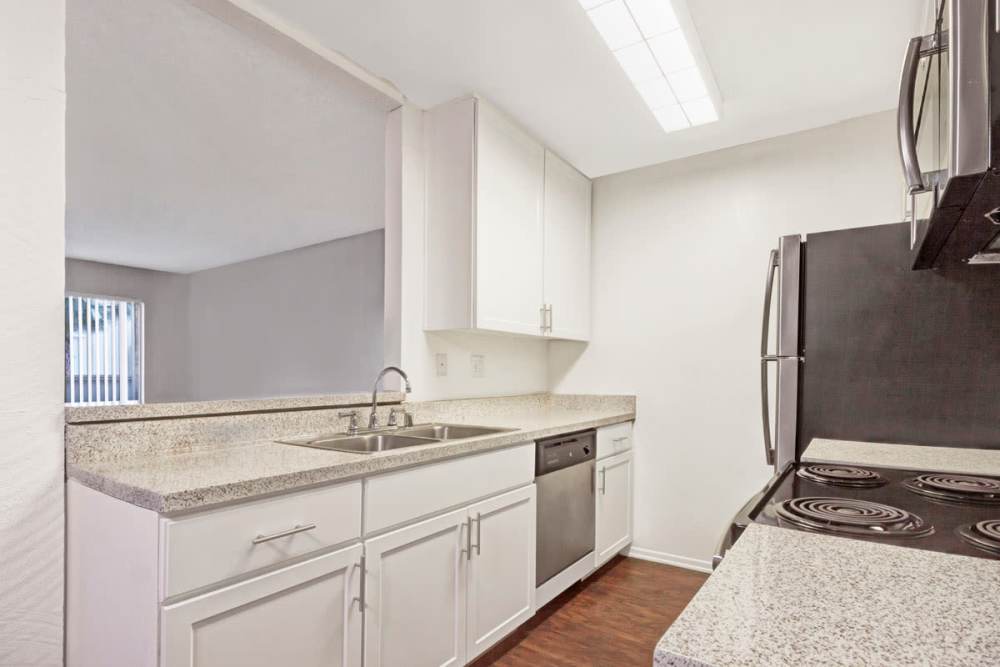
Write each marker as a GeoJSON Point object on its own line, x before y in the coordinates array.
{"type": "Point", "coordinates": [415, 595]}
{"type": "Point", "coordinates": [501, 567]}
{"type": "Point", "coordinates": [614, 506]}
{"type": "Point", "coordinates": [510, 175]}
{"type": "Point", "coordinates": [304, 615]}
{"type": "Point", "coordinates": [567, 249]}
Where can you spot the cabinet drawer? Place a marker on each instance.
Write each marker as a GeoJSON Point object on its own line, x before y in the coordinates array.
{"type": "Point", "coordinates": [614, 439]}
{"type": "Point", "coordinates": [398, 497]}
{"type": "Point", "coordinates": [205, 548]}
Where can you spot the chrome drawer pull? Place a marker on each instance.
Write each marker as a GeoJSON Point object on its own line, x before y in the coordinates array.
{"type": "Point", "coordinates": [260, 539]}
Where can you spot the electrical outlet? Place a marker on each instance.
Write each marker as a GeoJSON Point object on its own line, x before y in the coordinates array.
{"type": "Point", "coordinates": [441, 363]}
{"type": "Point", "coordinates": [478, 365]}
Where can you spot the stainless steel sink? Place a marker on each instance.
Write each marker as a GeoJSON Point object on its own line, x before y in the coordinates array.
{"type": "Point", "coordinates": [451, 431]}
{"type": "Point", "coordinates": [383, 441]}
{"type": "Point", "coordinates": [368, 443]}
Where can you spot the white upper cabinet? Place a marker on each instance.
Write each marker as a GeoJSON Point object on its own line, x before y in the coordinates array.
{"type": "Point", "coordinates": [492, 261]}
{"type": "Point", "coordinates": [510, 175]}
{"type": "Point", "coordinates": [566, 285]}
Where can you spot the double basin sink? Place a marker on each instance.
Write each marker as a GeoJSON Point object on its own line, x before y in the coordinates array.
{"type": "Point", "coordinates": [396, 438]}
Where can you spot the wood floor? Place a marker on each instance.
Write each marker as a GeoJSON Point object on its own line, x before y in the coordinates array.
{"type": "Point", "coordinates": [614, 618]}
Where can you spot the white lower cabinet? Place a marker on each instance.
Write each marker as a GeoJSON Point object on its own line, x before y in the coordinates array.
{"type": "Point", "coordinates": [442, 591]}
{"type": "Point", "coordinates": [415, 594]}
{"type": "Point", "coordinates": [306, 615]}
{"type": "Point", "coordinates": [613, 500]}
{"type": "Point", "coordinates": [501, 579]}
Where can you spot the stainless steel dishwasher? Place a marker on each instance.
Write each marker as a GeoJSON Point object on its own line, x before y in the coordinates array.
{"type": "Point", "coordinates": [564, 476]}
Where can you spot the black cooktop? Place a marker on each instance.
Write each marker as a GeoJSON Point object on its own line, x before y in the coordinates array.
{"type": "Point", "coordinates": [945, 512]}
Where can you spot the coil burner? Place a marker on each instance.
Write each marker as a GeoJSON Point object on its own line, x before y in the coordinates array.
{"type": "Point", "coordinates": [852, 517]}
{"type": "Point", "coordinates": [838, 475]}
{"type": "Point", "coordinates": [956, 488]}
{"type": "Point", "coordinates": [984, 535]}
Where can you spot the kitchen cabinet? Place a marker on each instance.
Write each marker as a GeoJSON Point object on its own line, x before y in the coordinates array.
{"type": "Point", "coordinates": [566, 264]}
{"type": "Point", "coordinates": [492, 261]}
{"type": "Point", "coordinates": [442, 591]}
{"type": "Point", "coordinates": [306, 615]}
{"type": "Point", "coordinates": [501, 574]}
{"type": "Point", "coordinates": [415, 594]}
{"type": "Point", "coordinates": [613, 500]}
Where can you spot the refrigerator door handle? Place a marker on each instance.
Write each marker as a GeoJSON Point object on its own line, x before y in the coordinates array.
{"type": "Point", "coordinates": [765, 358]}
{"type": "Point", "coordinates": [772, 265]}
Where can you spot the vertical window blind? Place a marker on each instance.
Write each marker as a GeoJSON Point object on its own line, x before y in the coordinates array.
{"type": "Point", "coordinates": [103, 350]}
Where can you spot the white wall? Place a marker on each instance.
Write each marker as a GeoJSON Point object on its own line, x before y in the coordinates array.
{"type": "Point", "coordinates": [680, 252]}
{"type": "Point", "coordinates": [513, 365]}
{"type": "Point", "coordinates": [32, 198]}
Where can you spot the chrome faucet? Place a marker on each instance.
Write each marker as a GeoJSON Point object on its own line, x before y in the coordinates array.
{"type": "Point", "coordinates": [373, 419]}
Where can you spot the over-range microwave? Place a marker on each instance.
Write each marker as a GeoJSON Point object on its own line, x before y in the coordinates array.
{"type": "Point", "coordinates": [949, 135]}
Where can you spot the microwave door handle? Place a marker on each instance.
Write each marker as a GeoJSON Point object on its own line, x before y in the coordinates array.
{"type": "Point", "coordinates": [904, 119]}
{"type": "Point", "coordinates": [765, 358]}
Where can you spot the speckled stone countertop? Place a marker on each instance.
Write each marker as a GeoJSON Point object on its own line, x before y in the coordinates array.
{"type": "Point", "coordinates": [906, 457]}
{"type": "Point", "coordinates": [786, 597]}
{"type": "Point", "coordinates": [129, 460]}
{"type": "Point", "coordinates": [104, 413]}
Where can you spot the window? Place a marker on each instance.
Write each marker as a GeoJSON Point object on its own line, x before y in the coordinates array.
{"type": "Point", "coordinates": [103, 350]}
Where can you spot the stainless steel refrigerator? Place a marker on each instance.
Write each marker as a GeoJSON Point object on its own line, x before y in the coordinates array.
{"type": "Point", "coordinates": [860, 347]}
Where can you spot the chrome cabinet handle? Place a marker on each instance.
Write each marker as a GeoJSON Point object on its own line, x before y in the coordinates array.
{"type": "Point", "coordinates": [360, 599]}
{"type": "Point", "coordinates": [546, 312]}
{"type": "Point", "coordinates": [479, 534]}
{"type": "Point", "coordinates": [467, 525]}
{"type": "Point", "coordinates": [604, 480]}
{"type": "Point", "coordinates": [260, 539]}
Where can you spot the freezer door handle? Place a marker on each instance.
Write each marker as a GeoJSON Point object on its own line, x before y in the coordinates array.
{"type": "Point", "coordinates": [765, 410]}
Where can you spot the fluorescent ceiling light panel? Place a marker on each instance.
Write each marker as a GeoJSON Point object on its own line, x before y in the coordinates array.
{"type": "Point", "coordinates": [687, 84]}
{"type": "Point", "coordinates": [654, 17]}
{"type": "Point", "coordinates": [672, 51]}
{"type": "Point", "coordinates": [613, 21]}
{"type": "Point", "coordinates": [700, 111]}
{"type": "Point", "coordinates": [672, 118]}
{"type": "Point", "coordinates": [657, 94]}
{"type": "Point", "coordinates": [638, 63]}
{"type": "Point", "coordinates": [651, 46]}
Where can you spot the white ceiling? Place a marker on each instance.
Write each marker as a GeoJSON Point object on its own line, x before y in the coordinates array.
{"type": "Point", "coordinates": [781, 66]}
{"type": "Point", "coordinates": [193, 143]}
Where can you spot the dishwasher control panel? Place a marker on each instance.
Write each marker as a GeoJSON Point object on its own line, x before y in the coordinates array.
{"type": "Point", "coordinates": [560, 452]}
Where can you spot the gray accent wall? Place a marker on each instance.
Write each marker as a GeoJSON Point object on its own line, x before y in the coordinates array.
{"type": "Point", "coordinates": [305, 321]}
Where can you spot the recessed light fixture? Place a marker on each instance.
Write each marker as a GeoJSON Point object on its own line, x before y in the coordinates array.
{"type": "Point", "coordinates": [656, 52]}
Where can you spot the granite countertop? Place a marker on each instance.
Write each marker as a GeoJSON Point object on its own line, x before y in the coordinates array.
{"type": "Point", "coordinates": [786, 597]}
{"type": "Point", "coordinates": [908, 457]}
{"type": "Point", "coordinates": [177, 481]}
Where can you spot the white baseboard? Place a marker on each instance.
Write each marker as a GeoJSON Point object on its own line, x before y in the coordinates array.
{"type": "Point", "coordinates": [560, 582]}
{"type": "Point", "coordinates": [670, 559]}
